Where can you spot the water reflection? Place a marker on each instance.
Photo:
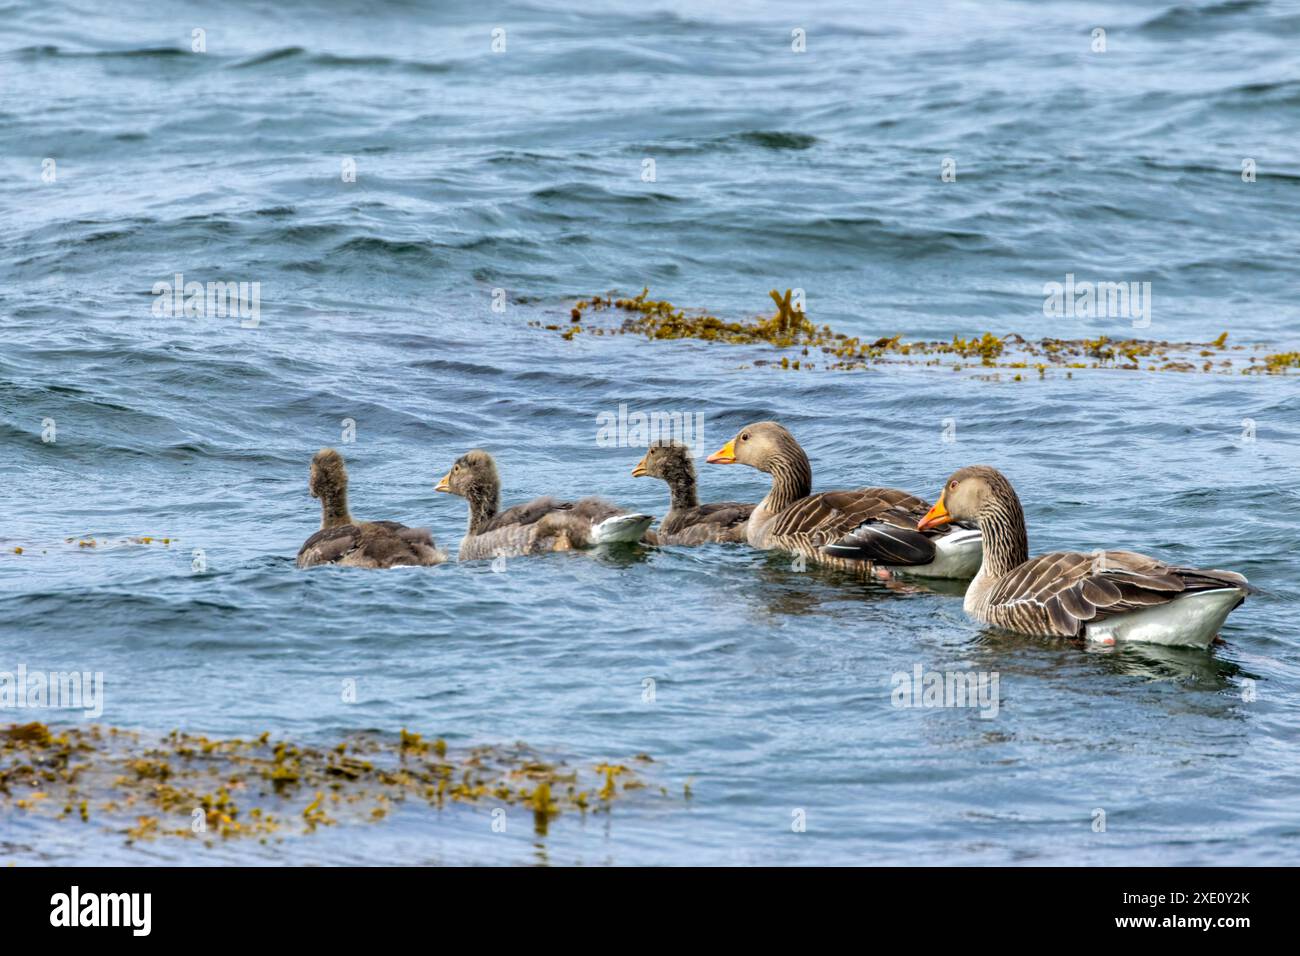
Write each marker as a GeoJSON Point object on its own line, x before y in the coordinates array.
{"type": "Point", "coordinates": [1152, 662]}
{"type": "Point", "coordinates": [1156, 662]}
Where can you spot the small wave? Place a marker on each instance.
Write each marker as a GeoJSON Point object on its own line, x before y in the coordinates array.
{"type": "Point", "coordinates": [308, 233]}
{"type": "Point", "coordinates": [485, 243]}
{"type": "Point", "coordinates": [49, 51]}
{"type": "Point", "coordinates": [746, 139]}
{"type": "Point", "coordinates": [366, 248]}
{"type": "Point", "coordinates": [1265, 95]}
{"type": "Point", "coordinates": [588, 193]}
{"type": "Point", "coordinates": [511, 157]}
{"type": "Point", "coordinates": [390, 246]}
{"type": "Point", "coordinates": [338, 61]}
{"type": "Point", "coordinates": [890, 239]}
{"type": "Point", "coordinates": [119, 606]}
{"type": "Point", "coordinates": [270, 56]}
{"type": "Point", "coordinates": [773, 139]}
{"type": "Point", "coordinates": [380, 63]}
{"type": "Point", "coordinates": [109, 235]}
{"type": "Point", "coordinates": [1187, 17]}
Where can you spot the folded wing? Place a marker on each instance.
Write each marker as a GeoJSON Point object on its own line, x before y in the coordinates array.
{"type": "Point", "coordinates": [1062, 592]}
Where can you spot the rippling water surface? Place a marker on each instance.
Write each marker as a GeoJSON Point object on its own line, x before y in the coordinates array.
{"type": "Point", "coordinates": [523, 171]}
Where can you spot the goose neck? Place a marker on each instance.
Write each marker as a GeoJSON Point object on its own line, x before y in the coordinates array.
{"type": "Point", "coordinates": [791, 478]}
{"type": "Point", "coordinates": [1006, 542]}
{"type": "Point", "coordinates": [483, 503]}
{"type": "Point", "coordinates": [684, 496]}
{"type": "Point", "coordinates": [334, 509]}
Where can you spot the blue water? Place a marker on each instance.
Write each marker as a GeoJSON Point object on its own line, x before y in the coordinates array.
{"type": "Point", "coordinates": [522, 171]}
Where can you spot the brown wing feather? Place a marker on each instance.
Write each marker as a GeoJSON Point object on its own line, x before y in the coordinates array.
{"type": "Point", "coordinates": [539, 526]}
{"type": "Point", "coordinates": [716, 522]}
{"type": "Point", "coordinates": [889, 536]}
{"type": "Point", "coordinates": [528, 513]}
{"type": "Point", "coordinates": [374, 544]}
{"type": "Point", "coordinates": [818, 520]}
{"type": "Point", "coordinates": [596, 510]}
{"type": "Point", "coordinates": [328, 545]}
{"type": "Point", "coordinates": [592, 510]}
{"type": "Point", "coordinates": [1061, 592]}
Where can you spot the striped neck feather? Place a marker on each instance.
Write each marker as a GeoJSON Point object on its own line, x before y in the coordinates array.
{"type": "Point", "coordinates": [1002, 523]}
{"type": "Point", "coordinates": [334, 509]}
{"type": "Point", "coordinates": [484, 501]}
{"type": "Point", "coordinates": [791, 477]}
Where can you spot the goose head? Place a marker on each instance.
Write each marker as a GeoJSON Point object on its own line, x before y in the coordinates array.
{"type": "Point", "coordinates": [473, 476]}
{"type": "Point", "coordinates": [671, 462]}
{"type": "Point", "coordinates": [759, 445]}
{"type": "Point", "coordinates": [666, 459]}
{"type": "Point", "coordinates": [329, 477]}
{"type": "Point", "coordinates": [970, 494]}
{"type": "Point", "coordinates": [328, 481]}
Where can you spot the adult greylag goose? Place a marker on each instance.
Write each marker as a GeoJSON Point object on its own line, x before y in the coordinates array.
{"type": "Point", "coordinates": [860, 530]}
{"type": "Point", "coordinates": [1107, 596]}
{"type": "Point", "coordinates": [359, 544]}
{"type": "Point", "coordinates": [688, 522]}
{"type": "Point", "coordinates": [542, 525]}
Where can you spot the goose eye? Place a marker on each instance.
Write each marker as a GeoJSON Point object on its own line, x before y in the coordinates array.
{"type": "Point", "coordinates": [952, 486]}
{"type": "Point", "coordinates": [745, 437]}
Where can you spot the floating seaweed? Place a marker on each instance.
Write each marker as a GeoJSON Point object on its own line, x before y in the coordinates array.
{"type": "Point", "coordinates": [192, 787]}
{"type": "Point", "coordinates": [1280, 362]}
{"type": "Point", "coordinates": [93, 542]}
{"type": "Point", "coordinates": [790, 328]}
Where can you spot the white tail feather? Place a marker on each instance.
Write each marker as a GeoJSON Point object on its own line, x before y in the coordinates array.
{"type": "Point", "coordinates": [1190, 620]}
{"type": "Point", "coordinates": [621, 529]}
{"type": "Point", "coordinates": [957, 555]}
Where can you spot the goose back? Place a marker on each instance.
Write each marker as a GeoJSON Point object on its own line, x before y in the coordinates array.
{"type": "Point", "coordinates": [1062, 592]}
{"type": "Point", "coordinates": [539, 526]}
{"type": "Point", "coordinates": [372, 544]}
{"type": "Point", "coordinates": [722, 522]}
{"type": "Point", "coordinates": [858, 530]}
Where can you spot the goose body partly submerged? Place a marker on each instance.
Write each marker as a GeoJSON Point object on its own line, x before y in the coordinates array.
{"type": "Point", "coordinates": [688, 522]}
{"type": "Point", "coordinates": [861, 530]}
{"type": "Point", "coordinates": [1106, 596]}
{"type": "Point", "coordinates": [542, 525]}
{"type": "Point", "coordinates": [345, 541]}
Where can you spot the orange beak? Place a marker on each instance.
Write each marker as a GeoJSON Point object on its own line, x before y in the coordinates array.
{"type": "Point", "coordinates": [726, 455]}
{"type": "Point", "coordinates": [936, 516]}
{"type": "Point", "coordinates": [639, 470]}
{"type": "Point", "coordinates": [444, 484]}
